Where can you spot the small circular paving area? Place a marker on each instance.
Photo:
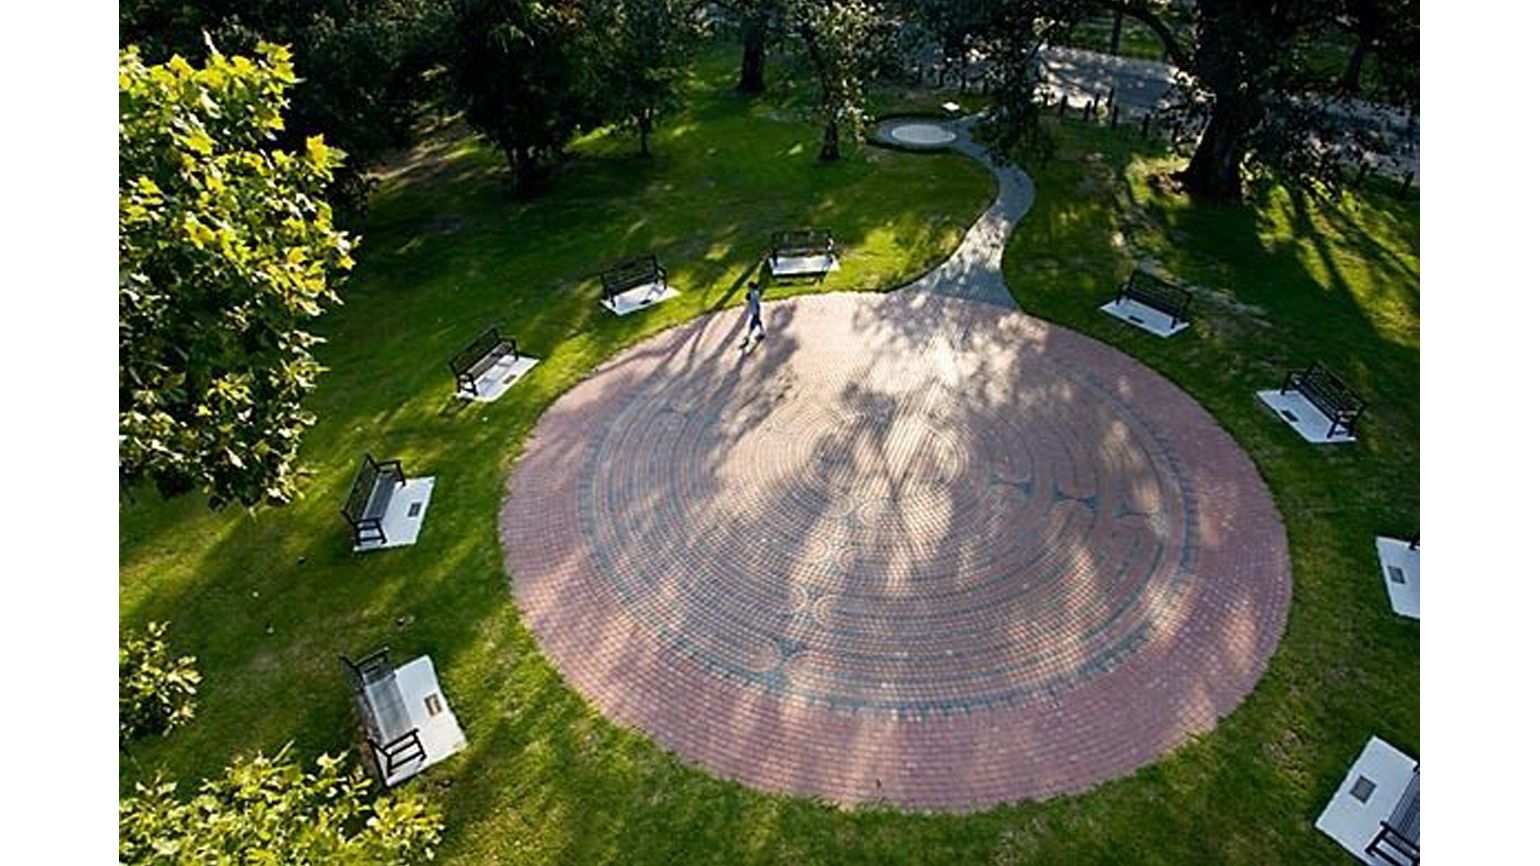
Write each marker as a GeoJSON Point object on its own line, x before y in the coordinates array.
{"type": "Point", "coordinates": [922, 133]}
{"type": "Point", "coordinates": [915, 133]}
{"type": "Point", "coordinates": [911, 549]}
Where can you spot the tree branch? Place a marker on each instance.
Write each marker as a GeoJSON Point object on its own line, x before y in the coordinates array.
{"type": "Point", "coordinates": [1146, 16]}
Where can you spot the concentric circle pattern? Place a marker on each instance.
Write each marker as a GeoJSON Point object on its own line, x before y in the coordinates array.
{"type": "Point", "coordinates": [909, 548]}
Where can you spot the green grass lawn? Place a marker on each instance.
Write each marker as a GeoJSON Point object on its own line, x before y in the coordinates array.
{"type": "Point", "coordinates": [1094, 33]}
{"type": "Point", "coordinates": [267, 600]}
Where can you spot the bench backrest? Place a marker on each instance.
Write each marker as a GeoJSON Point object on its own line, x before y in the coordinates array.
{"type": "Point", "coordinates": [1328, 392]}
{"type": "Point", "coordinates": [467, 358]}
{"type": "Point", "coordinates": [802, 242]}
{"type": "Point", "coordinates": [630, 274]}
{"type": "Point", "coordinates": [1406, 818]}
{"type": "Point", "coordinates": [368, 668]}
{"type": "Point", "coordinates": [381, 708]}
{"type": "Point", "coordinates": [363, 487]}
{"type": "Point", "coordinates": [1399, 839]}
{"type": "Point", "coordinates": [364, 483]}
{"type": "Point", "coordinates": [1155, 292]}
{"type": "Point", "coordinates": [365, 676]}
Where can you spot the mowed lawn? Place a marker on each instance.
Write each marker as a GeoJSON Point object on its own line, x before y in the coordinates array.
{"type": "Point", "coordinates": [1278, 283]}
{"type": "Point", "coordinates": [267, 600]}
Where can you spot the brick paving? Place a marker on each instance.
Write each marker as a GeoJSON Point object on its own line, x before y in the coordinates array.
{"type": "Point", "coordinates": [913, 548]}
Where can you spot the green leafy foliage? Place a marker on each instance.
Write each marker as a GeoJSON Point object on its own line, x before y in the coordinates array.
{"type": "Point", "coordinates": [645, 44]}
{"type": "Point", "coordinates": [845, 41]}
{"type": "Point", "coordinates": [1267, 101]}
{"type": "Point", "coordinates": [156, 689]}
{"type": "Point", "coordinates": [1015, 33]}
{"type": "Point", "coordinates": [270, 810]}
{"type": "Point", "coordinates": [363, 62]}
{"type": "Point", "coordinates": [524, 72]}
{"type": "Point", "coordinates": [225, 246]}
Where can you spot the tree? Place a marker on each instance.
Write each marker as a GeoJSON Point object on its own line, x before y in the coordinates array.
{"type": "Point", "coordinates": [1263, 101]}
{"type": "Point", "coordinates": [1011, 34]}
{"type": "Point", "coordinates": [645, 44]}
{"type": "Point", "coordinates": [363, 61]}
{"type": "Point", "coordinates": [269, 810]}
{"type": "Point", "coordinates": [843, 39]}
{"type": "Point", "coordinates": [225, 247]}
{"type": "Point", "coordinates": [954, 28]}
{"type": "Point", "coordinates": [156, 690]}
{"type": "Point", "coordinates": [757, 23]}
{"type": "Point", "coordinates": [526, 73]}
{"type": "Point", "coordinates": [1387, 27]}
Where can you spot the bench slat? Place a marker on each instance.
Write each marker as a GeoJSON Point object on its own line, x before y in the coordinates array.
{"type": "Point", "coordinates": [1156, 293]}
{"type": "Point", "coordinates": [387, 709]}
{"type": "Point", "coordinates": [1328, 393]}
{"type": "Point", "coordinates": [469, 363]}
{"type": "Point", "coordinates": [393, 740]}
{"type": "Point", "coordinates": [802, 242]}
{"type": "Point", "coordinates": [379, 500]}
{"type": "Point", "coordinates": [369, 496]}
{"type": "Point", "coordinates": [1406, 818]}
{"type": "Point", "coordinates": [630, 274]}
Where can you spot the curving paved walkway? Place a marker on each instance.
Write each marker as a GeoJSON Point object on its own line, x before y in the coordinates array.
{"type": "Point", "coordinates": [914, 548]}
{"type": "Point", "coordinates": [973, 270]}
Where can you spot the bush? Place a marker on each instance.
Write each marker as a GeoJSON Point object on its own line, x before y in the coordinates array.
{"type": "Point", "coordinates": [155, 690]}
{"type": "Point", "coordinates": [269, 810]}
{"type": "Point", "coordinates": [226, 248]}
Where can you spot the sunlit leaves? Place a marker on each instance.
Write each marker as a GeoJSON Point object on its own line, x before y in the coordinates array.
{"type": "Point", "coordinates": [270, 810]}
{"type": "Point", "coordinates": [226, 245]}
{"type": "Point", "coordinates": [844, 40]}
{"type": "Point", "coordinates": [156, 689]}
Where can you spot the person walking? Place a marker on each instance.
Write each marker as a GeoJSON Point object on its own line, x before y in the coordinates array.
{"type": "Point", "coordinates": [752, 314]}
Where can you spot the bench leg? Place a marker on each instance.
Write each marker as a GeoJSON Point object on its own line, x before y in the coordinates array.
{"type": "Point", "coordinates": [370, 530]}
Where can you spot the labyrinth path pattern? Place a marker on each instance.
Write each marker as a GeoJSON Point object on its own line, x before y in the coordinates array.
{"type": "Point", "coordinates": [913, 548]}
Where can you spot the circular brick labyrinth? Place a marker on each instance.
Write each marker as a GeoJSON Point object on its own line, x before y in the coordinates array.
{"type": "Point", "coordinates": [913, 549]}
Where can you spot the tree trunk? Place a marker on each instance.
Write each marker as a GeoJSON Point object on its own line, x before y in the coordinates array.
{"type": "Point", "coordinates": [831, 142]}
{"type": "Point", "coordinates": [512, 154]}
{"type": "Point", "coordinates": [751, 76]}
{"type": "Point", "coordinates": [1352, 78]}
{"type": "Point", "coordinates": [526, 170]}
{"type": "Point", "coordinates": [644, 129]}
{"type": "Point", "coordinates": [1117, 33]}
{"type": "Point", "coordinates": [1214, 173]}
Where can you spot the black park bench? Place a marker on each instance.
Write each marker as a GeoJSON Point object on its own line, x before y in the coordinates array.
{"type": "Point", "coordinates": [817, 244]}
{"type": "Point", "coordinates": [469, 363]}
{"type": "Point", "coordinates": [1158, 295]}
{"type": "Point", "coordinates": [394, 742]}
{"type": "Point", "coordinates": [1399, 839]}
{"type": "Point", "coordinates": [629, 274]}
{"type": "Point", "coordinates": [1328, 393]}
{"type": "Point", "coordinates": [369, 497]}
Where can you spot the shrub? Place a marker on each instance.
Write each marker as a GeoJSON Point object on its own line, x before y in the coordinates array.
{"type": "Point", "coordinates": [155, 690]}
{"type": "Point", "coordinates": [269, 810]}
